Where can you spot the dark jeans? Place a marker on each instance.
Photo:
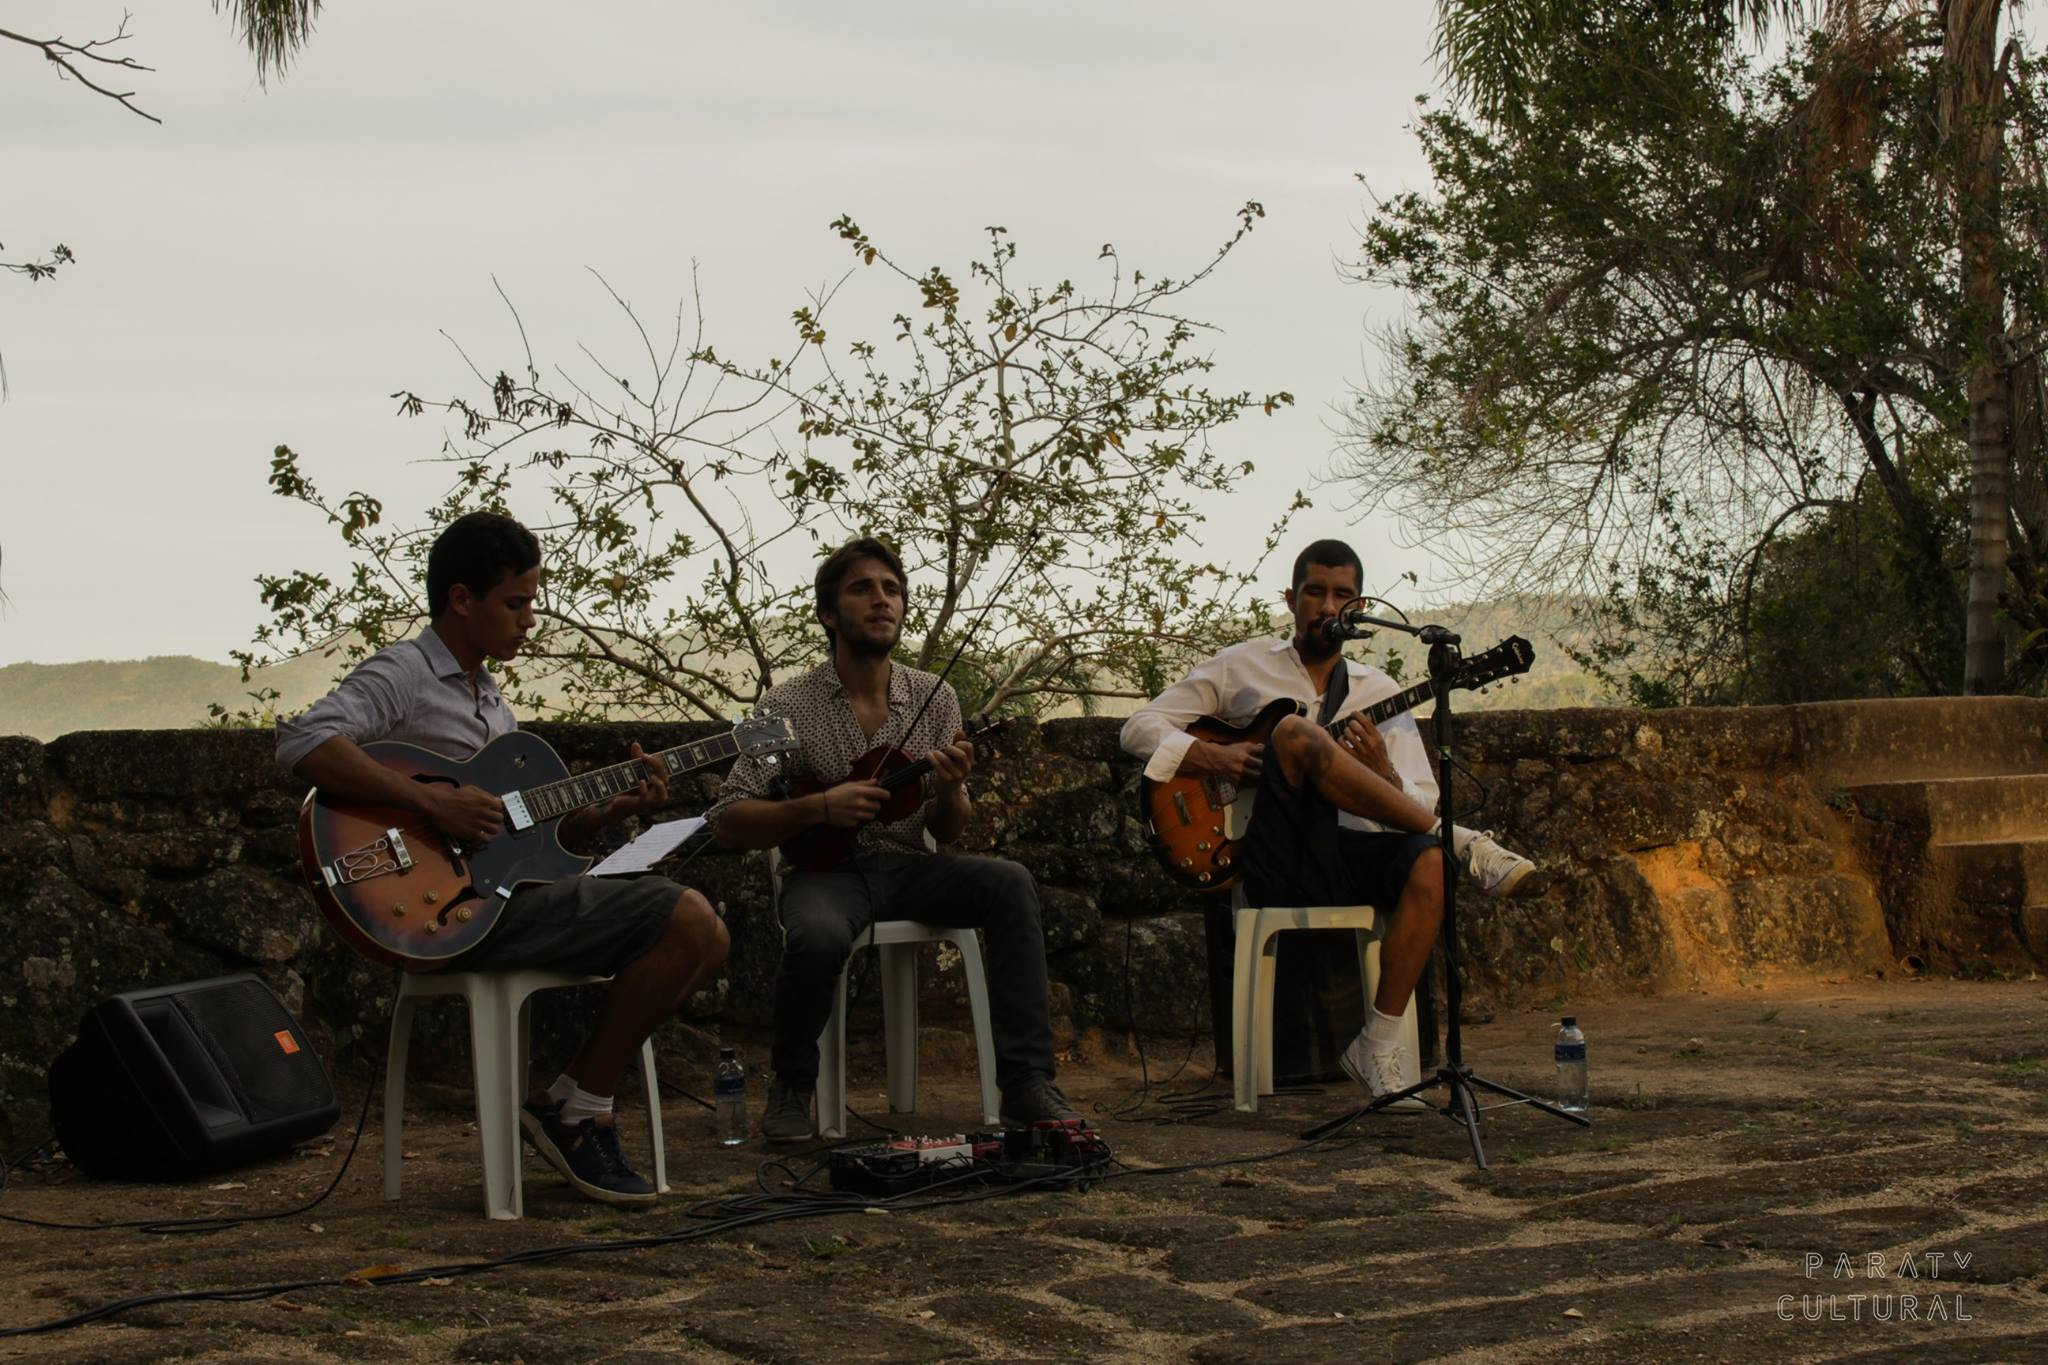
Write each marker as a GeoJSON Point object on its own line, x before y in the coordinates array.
{"type": "Point", "coordinates": [823, 912]}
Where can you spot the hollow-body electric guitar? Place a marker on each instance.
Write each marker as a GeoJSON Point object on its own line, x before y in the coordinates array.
{"type": "Point", "coordinates": [822, 847]}
{"type": "Point", "coordinates": [402, 893]}
{"type": "Point", "coordinates": [1197, 823]}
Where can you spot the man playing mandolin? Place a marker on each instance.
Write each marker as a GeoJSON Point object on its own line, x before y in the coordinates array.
{"type": "Point", "coordinates": [854, 704]}
{"type": "Point", "coordinates": [1338, 821]}
{"type": "Point", "coordinates": [656, 940]}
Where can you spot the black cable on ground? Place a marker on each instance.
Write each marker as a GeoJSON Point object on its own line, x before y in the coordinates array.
{"type": "Point", "coordinates": [1177, 1107]}
{"type": "Point", "coordinates": [217, 1222]}
{"type": "Point", "coordinates": [740, 1211]}
{"type": "Point", "coordinates": [756, 1210]}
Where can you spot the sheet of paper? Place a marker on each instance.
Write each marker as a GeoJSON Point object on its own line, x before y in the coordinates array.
{"type": "Point", "coordinates": [656, 843]}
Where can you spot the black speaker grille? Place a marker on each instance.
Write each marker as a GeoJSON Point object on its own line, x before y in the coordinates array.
{"type": "Point", "coordinates": [258, 1046]}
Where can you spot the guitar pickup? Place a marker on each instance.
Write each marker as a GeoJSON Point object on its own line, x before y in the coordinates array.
{"type": "Point", "coordinates": [515, 811]}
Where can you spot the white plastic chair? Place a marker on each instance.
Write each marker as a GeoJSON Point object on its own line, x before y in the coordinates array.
{"type": "Point", "coordinates": [896, 940]}
{"type": "Point", "coordinates": [1251, 996]}
{"type": "Point", "coordinates": [499, 1055]}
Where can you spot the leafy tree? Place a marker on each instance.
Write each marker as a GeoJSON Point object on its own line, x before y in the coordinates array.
{"type": "Point", "coordinates": [1033, 450]}
{"type": "Point", "coordinates": [1671, 306]}
{"type": "Point", "coordinates": [1497, 50]}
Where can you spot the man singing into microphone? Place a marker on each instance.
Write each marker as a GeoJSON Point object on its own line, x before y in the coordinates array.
{"type": "Point", "coordinates": [1337, 821]}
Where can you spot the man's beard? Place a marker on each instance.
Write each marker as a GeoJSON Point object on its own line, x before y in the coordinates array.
{"type": "Point", "coordinates": [869, 647]}
{"type": "Point", "coordinates": [1313, 646]}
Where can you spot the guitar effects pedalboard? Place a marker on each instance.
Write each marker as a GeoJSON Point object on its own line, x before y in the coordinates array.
{"type": "Point", "coordinates": [1066, 1149]}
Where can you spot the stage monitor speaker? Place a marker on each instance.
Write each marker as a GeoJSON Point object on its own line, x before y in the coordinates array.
{"type": "Point", "coordinates": [177, 1080]}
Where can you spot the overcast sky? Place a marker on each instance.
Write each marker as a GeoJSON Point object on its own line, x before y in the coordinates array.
{"type": "Point", "coordinates": [268, 266]}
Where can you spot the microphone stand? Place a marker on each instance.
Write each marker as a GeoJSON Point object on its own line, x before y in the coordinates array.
{"type": "Point", "coordinates": [1445, 663]}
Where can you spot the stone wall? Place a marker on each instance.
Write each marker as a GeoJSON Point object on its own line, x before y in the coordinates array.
{"type": "Point", "coordinates": [1688, 850]}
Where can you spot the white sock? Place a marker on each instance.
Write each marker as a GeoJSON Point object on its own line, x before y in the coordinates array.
{"type": "Point", "coordinates": [578, 1104]}
{"type": "Point", "coordinates": [1382, 1031]}
{"type": "Point", "coordinates": [1460, 836]}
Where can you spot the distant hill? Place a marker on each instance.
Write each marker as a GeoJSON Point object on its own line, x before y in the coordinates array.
{"type": "Point", "coordinates": [168, 692]}
{"type": "Point", "coordinates": [172, 691]}
{"type": "Point", "coordinates": [1545, 621]}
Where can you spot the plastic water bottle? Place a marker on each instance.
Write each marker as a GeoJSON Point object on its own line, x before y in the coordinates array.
{"type": "Point", "coordinates": [1571, 1066]}
{"type": "Point", "coordinates": [729, 1089]}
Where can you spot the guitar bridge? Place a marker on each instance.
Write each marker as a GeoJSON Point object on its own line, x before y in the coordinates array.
{"type": "Point", "coordinates": [379, 858]}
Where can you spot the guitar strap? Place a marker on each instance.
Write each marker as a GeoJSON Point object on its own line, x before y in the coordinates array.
{"type": "Point", "coordinates": [1333, 695]}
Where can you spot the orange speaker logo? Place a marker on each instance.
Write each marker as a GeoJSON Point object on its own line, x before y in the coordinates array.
{"type": "Point", "coordinates": [286, 1042]}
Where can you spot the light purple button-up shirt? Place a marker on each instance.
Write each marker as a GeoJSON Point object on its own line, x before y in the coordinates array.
{"type": "Point", "coordinates": [412, 691]}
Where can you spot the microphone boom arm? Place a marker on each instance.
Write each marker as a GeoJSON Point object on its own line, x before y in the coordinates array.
{"type": "Point", "coordinates": [1355, 625]}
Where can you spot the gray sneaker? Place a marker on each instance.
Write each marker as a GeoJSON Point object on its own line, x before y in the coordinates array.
{"type": "Point", "coordinates": [787, 1115]}
{"type": "Point", "coordinates": [1036, 1101]}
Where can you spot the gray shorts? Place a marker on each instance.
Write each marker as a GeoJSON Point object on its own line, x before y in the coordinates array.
{"type": "Point", "coordinates": [587, 925]}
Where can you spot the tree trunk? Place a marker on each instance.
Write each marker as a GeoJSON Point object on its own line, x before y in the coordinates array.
{"type": "Point", "coordinates": [1975, 129]}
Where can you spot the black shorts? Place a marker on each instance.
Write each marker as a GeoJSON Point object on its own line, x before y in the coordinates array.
{"type": "Point", "coordinates": [590, 926]}
{"type": "Point", "coordinates": [1295, 853]}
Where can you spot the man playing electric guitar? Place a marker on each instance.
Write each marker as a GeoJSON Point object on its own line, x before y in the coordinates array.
{"type": "Point", "coordinates": [656, 940]}
{"type": "Point", "coordinates": [1338, 821]}
{"type": "Point", "coordinates": [854, 702]}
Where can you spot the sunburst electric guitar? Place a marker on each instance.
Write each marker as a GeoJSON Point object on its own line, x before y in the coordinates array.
{"type": "Point", "coordinates": [402, 893]}
{"type": "Point", "coordinates": [1197, 823]}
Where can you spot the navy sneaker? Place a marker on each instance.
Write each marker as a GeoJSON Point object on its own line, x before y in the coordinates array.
{"type": "Point", "coordinates": [586, 1153]}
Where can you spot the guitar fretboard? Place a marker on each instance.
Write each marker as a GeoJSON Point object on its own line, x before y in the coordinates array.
{"type": "Point", "coordinates": [551, 799]}
{"type": "Point", "coordinates": [1388, 709]}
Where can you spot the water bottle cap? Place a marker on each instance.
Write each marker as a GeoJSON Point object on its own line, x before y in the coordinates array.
{"type": "Point", "coordinates": [1571, 1021]}
{"type": "Point", "coordinates": [726, 1054]}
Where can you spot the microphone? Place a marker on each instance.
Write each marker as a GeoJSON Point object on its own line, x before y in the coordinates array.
{"type": "Point", "coordinates": [1336, 630]}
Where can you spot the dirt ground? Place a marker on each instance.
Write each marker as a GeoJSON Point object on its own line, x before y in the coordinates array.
{"type": "Point", "coordinates": [1820, 1171]}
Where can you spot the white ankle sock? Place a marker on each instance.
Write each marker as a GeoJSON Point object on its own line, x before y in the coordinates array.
{"type": "Point", "coordinates": [1460, 836]}
{"type": "Point", "coordinates": [578, 1104]}
{"type": "Point", "coordinates": [1382, 1031]}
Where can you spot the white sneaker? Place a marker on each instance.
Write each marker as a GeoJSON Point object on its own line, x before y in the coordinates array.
{"type": "Point", "coordinates": [1499, 871]}
{"type": "Point", "coordinates": [1379, 1072]}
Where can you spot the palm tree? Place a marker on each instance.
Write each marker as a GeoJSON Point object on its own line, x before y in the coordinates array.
{"type": "Point", "coordinates": [273, 30]}
{"type": "Point", "coordinates": [1492, 50]}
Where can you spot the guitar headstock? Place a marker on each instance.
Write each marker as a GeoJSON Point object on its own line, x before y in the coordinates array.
{"type": "Point", "coordinates": [759, 736]}
{"type": "Point", "coordinates": [1510, 657]}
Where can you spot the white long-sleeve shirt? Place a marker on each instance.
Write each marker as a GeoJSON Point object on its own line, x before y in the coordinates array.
{"type": "Point", "coordinates": [1235, 685]}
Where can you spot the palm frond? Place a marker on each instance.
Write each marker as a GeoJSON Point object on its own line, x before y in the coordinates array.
{"type": "Point", "coordinates": [273, 30]}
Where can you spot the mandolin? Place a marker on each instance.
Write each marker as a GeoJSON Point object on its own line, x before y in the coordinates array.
{"type": "Point", "coordinates": [822, 847]}
{"type": "Point", "coordinates": [402, 893]}
{"type": "Point", "coordinates": [1197, 823]}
